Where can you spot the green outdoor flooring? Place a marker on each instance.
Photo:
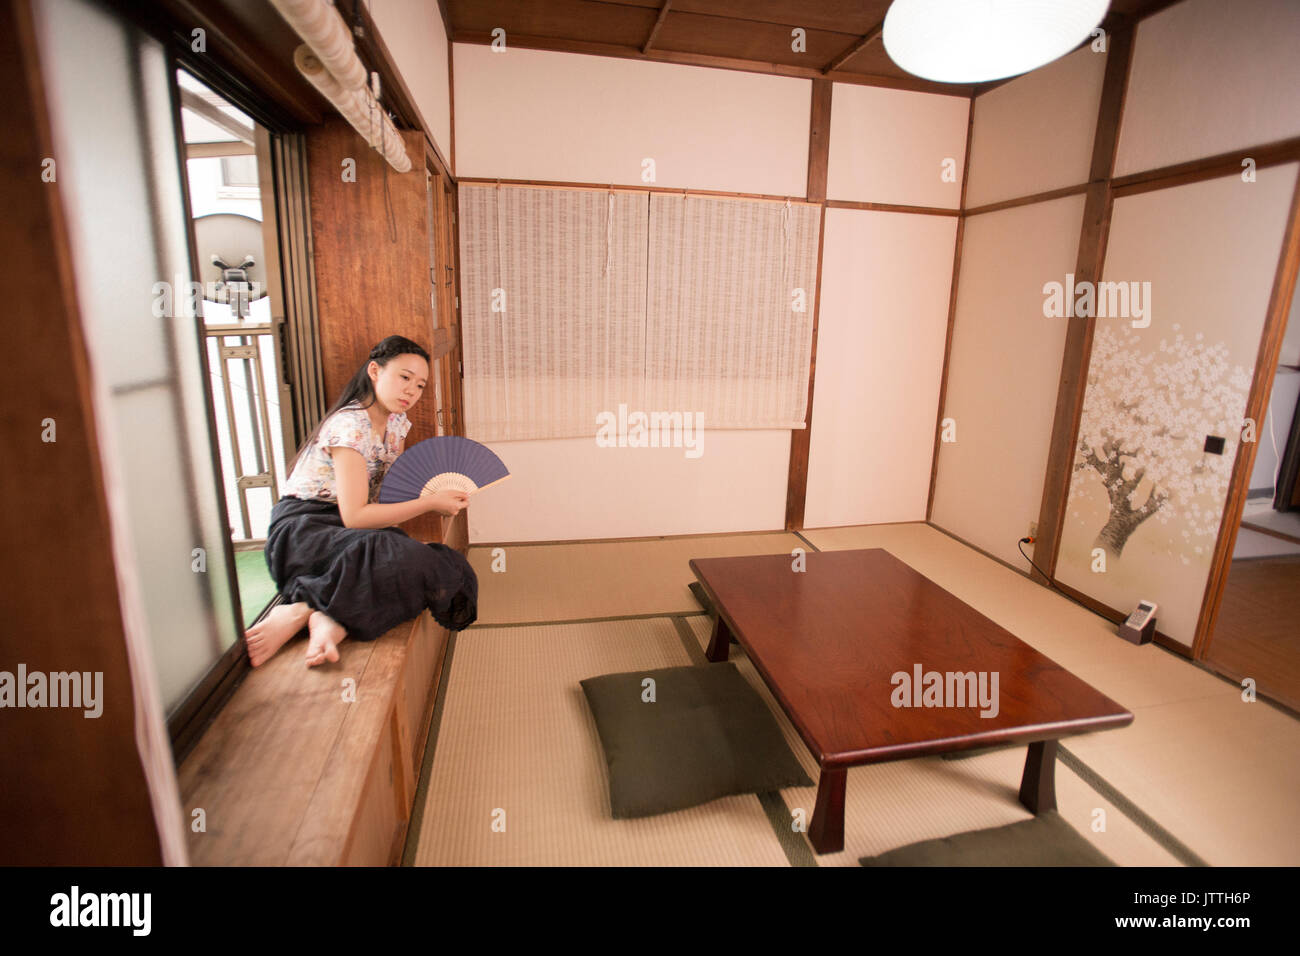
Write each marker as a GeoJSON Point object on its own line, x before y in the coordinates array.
{"type": "Point", "coordinates": [256, 589]}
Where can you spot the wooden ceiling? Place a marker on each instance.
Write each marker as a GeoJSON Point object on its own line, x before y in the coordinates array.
{"type": "Point", "coordinates": [842, 36]}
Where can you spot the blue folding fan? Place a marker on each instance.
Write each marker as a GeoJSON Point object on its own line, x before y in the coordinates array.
{"type": "Point", "coordinates": [441, 463]}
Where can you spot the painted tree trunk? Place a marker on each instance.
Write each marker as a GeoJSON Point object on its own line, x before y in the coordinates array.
{"type": "Point", "coordinates": [1123, 521]}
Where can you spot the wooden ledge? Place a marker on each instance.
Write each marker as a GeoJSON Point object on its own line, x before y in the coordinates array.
{"type": "Point", "coordinates": [316, 766]}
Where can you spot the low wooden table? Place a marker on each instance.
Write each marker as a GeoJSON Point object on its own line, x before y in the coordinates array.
{"type": "Point", "coordinates": [831, 640]}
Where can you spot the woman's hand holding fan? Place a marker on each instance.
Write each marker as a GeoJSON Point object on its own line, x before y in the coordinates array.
{"type": "Point", "coordinates": [448, 502]}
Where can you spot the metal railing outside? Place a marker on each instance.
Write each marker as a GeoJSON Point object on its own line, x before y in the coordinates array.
{"type": "Point", "coordinates": [246, 399]}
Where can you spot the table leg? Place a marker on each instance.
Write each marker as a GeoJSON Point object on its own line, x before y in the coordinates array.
{"type": "Point", "coordinates": [826, 833]}
{"type": "Point", "coordinates": [721, 641]}
{"type": "Point", "coordinates": [1038, 785]}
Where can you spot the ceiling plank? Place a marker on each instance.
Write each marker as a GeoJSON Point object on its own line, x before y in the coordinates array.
{"type": "Point", "coordinates": [904, 82]}
{"type": "Point", "coordinates": [852, 17]}
{"type": "Point", "coordinates": [864, 41]}
{"type": "Point", "coordinates": [663, 15]}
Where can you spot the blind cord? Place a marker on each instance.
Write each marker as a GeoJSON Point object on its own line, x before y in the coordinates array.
{"type": "Point", "coordinates": [505, 351]}
{"type": "Point", "coordinates": [609, 250]}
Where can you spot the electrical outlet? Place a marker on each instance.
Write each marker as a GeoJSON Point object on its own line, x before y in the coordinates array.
{"type": "Point", "coordinates": [1033, 529]}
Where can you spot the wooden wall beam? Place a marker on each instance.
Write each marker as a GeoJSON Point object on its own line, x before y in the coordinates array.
{"type": "Point", "coordinates": [819, 138]}
{"type": "Point", "coordinates": [446, 20]}
{"type": "Point", "coordinates": [1027, 200]}
{"type": "Point", "coordinates": [861, 44]}
{"type": "Point", "coordinates": [952, 313]}
{"type": "Point", "coordinates": [1078, 337]}
{"type": "Point", "coordinates": [1270, 349]}
{"type": "Point", "coordinates": [1209, 167]}
{"type": "Point", "coordinates": [800, 438]}
{"type": "Point", "coordinates": [659, 22]}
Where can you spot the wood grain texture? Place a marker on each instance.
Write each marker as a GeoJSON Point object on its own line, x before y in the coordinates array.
{"type": "Point", "coordinates": [1026, 200]}
{"type": "Point", "coordinates": [292, 772]}
{"type": "Point", "coordinates": [796, 493]}
{"type": "Point", "coordinates": [1266, 360]}
{"type": "Point", "coordinates": [1098, 203]}
{"type": "Point", "coordinates": [367, 734]}
{"type": "Point", "coordinates": [827, 641]}
{"type": "Point", "coordinates": [892, 207]}
{"type": "Point", "coordinates": [371, 265]}
{"type": "Point", "coordinates": [819, 140]}
{"type": "Point", "coordinates": [952, 316]}
{"type": "Point", "coordinates": [1255, 634]}
{"type": "Point", "coordinates": [422, 676]}
{"type": "Point", "coordinates": [75, 792]}
{"type": "Point", "coordinates": [1208, 167]}
{"type": "Point", "coordinates": [804, 69]}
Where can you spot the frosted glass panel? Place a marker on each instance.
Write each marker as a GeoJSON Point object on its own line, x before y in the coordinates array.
{"type": "Point", "coordinates": [119, 176]}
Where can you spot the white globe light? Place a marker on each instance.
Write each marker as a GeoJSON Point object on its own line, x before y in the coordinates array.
{"type": "Point", "coordinates": [972, 41]}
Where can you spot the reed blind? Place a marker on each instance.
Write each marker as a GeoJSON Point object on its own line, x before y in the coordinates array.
{"type": "Point", "coordinates": [577, 301]}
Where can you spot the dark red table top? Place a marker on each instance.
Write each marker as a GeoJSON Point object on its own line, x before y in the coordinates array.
{"type": "Point", "coordinates": [829, 640]}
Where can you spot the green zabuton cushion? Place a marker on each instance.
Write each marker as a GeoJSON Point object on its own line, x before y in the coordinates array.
{"type": "Point", "coordinates": [707, 734]}
{"type": "Point", "coordinates": [1046, 840]}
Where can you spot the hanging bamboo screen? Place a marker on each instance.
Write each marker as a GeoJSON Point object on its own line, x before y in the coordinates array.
{"type": "Point", "coordinates": [575, 301]}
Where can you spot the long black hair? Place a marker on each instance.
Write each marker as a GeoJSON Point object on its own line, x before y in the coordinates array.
{"type": "Point", "coordinates": [360, 388]}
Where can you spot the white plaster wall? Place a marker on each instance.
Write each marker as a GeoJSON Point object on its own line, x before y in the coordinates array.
{"type": "Point", "coordinates": [1003, 373]}
{"type": "Point", "coordinates": [414, 34]}
{"type": "Point", "coordinates": [538, 114]}
{"type": "Point", "coordinates": [529, 114]}
{"type": "Point", "coordinates": [1034, 134]}
{"type": "Point", "coordinates": [571, 488]}
{"type": "Point", "coordinates": [880, 340]}
{"type": "Point", "coordinates": [890, 146]}
{"type": "Point", "coordinates": [1209, 77]}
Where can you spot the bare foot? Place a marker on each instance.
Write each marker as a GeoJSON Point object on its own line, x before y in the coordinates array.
{"type": "Point", "coordinates": [326, 635]}
{"type": "Point", "coordinates": [269, 635]}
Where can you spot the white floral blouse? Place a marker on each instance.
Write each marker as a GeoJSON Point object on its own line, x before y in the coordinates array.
{"type": "Point", "coordinates": [350, 427]}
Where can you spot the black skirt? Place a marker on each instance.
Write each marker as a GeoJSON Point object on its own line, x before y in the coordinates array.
{"type": "Point", "coordinates": [368, 579]}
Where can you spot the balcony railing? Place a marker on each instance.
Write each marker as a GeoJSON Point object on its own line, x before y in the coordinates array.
{"type": "Point", "coordinates": [246, 406]}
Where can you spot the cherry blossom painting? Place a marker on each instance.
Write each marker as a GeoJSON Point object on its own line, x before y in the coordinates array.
{"type": "Point", "coordinates": [1146, 416]}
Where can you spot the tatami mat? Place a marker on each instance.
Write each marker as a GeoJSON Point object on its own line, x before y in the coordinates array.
{"type": "Point", "coordinates": [1221, 774]}
{"type": "Point", "coordinates": [1199, 773]}
{"type": "Point", "coordinates": [517, 743]}
{"type": "Point", "coordinates": [516, 736]}
{"type": "Point", "coordinates": [565, 582]}
{"type": "Point", "coordinates": [893, 804]}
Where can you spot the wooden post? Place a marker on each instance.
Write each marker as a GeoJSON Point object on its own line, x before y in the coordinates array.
{"type": "Point", "coordinates": [1079, 332]}
{"type": "Point", "coordinates": [75, 791]}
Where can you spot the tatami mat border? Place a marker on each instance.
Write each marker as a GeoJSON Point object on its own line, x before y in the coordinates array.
{"type": "Point", "coordinates": [667, 537]}
{"type": "Point", "coordinates": [590, 620]}
{"type": "Point", "coordinates": [796, 848]}
{"type": "Point", "coordinates": [1144, 821]}
{"type": "Point", "coordinates": [421, 797]}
